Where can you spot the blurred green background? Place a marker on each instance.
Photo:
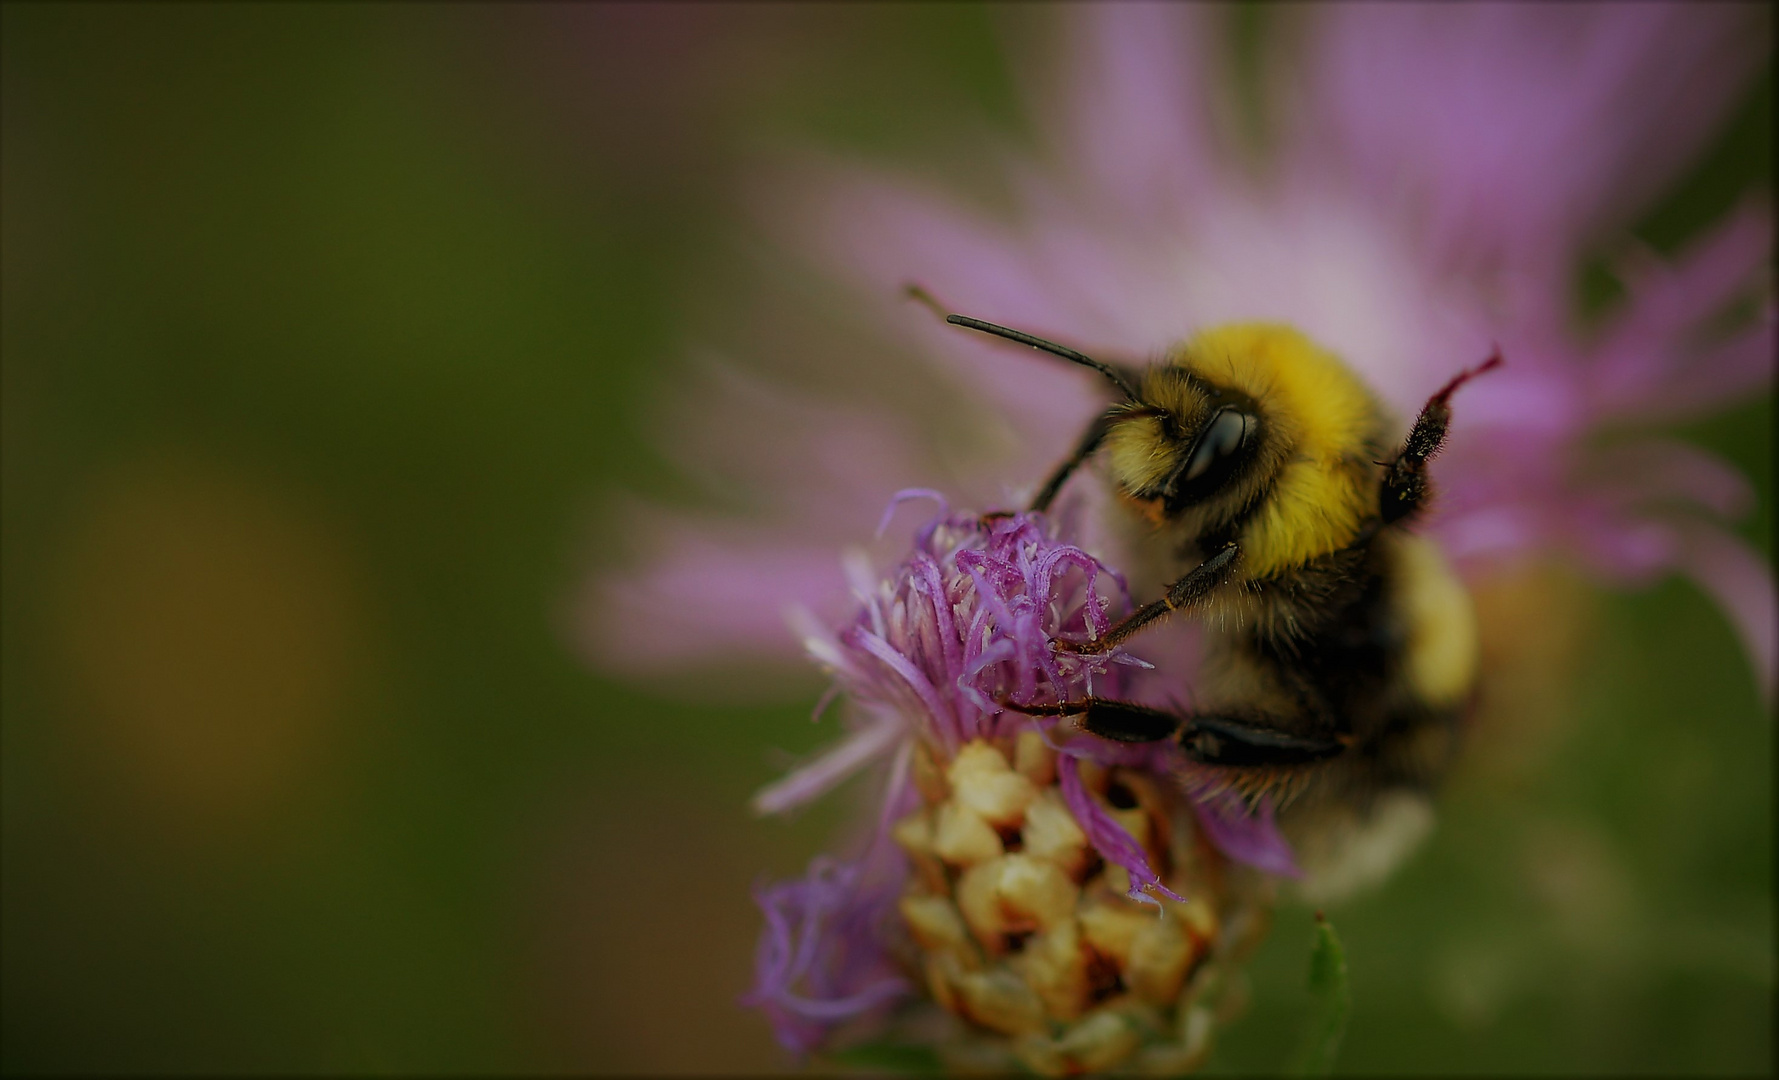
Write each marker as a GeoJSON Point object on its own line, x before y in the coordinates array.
{"type": "Point", "coordinates": [328, 330]}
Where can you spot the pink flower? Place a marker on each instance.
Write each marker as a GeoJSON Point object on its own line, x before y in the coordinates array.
{"type": "Point", "coordinates": [965, 626]}
{"type": "Point", "coordinates": [1437, 173]}
{"type": "Point", "coordinates": [914, 669]}
{"type": "Point", "coordinates": [822, 960]}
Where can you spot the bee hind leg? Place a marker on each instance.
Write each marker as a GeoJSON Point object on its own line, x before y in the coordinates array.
{"type": "Point", "coordinates": [1120, 721]}
{"type": "Point", "coordinates": [1245, 740]}
{"type": "Point", "coordinates": [1254, 740]}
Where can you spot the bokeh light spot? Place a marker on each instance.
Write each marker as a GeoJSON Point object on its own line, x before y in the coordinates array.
{"type": "Point", "coordinates": [206, 623]}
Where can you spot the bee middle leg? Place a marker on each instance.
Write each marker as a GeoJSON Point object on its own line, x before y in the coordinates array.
{"type": "Point", "coordinates": [1248, 739]}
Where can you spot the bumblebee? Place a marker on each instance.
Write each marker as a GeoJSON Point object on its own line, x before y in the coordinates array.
{"type": "Point", "coordinates": [1342, 654]}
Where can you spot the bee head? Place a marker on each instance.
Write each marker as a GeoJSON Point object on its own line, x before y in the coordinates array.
{"type": "Point", "coordinates": [1248, 431]}
{"type": "Point", "coordinates": [1253, 430]}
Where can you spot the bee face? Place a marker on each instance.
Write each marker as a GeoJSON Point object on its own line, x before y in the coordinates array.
{"type": "Point", "coordinates": [1249, 433]}
{"type": "Point", "coordinates": [1188, 451]}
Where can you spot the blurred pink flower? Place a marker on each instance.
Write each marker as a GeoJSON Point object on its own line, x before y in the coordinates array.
{"type": "Point", "coordinates": [1435, 177]}
{"type": "Point", "coordinates": [1437, 174]}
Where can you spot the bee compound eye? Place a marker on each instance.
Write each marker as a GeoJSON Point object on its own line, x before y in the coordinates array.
{"type": "Point", "coordinates": [1224, 436]}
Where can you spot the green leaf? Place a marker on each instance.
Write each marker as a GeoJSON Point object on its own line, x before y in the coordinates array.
{"type": "Point", "coordinates": [1332, 1000]}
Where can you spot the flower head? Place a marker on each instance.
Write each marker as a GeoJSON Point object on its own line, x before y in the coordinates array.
{"type": "Point", "coordinates": [1010, 859]}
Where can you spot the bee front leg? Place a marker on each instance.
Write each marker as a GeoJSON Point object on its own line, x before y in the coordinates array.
{"type": "Point", "coordinates": [1185, 592]}
{"type": "Point", "coordinates": [1090, 441]}
{"type": "Point", "coordinates": [1405, 489]}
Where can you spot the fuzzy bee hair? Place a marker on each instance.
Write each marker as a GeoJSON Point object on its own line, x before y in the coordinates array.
{"type": "Point", "coordinates": [1258, 472]}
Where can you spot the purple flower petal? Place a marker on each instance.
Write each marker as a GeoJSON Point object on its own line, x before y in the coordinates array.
{"type": "Point", "coordinates": [1136, 106]}
{"type": "Point", "coordinates": [1736, 576]}
{"type": "Point", "coordinates": [1652, 364]}
{"type": "Point", "coordinates": [1108, 837]}
{"type": "Point", "coordinates": [939, 716]}
{"type": "Point", "coordinates": [1440, 108]}
{"type": "Point", "coordinates": [883, 235]}
{"type": "Point", "coordinates": [703, 599]}
{"type": "Point", "coordinates": [903, 496]}
{"type": "Point", "coordinates": [1247, 836]}
{"type": "Point", "coordinates": [830, 768]}
{"type": "Point", "coordinates": [821, 958]}
{"type": "Point", "coordinates": [1675, 472]}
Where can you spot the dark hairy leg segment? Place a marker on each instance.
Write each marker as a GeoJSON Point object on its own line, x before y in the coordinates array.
{"type": "Point", "coordinates": [1405, 489]}
{"type": "Point", "coordinates": [1185, 592]}
{"type": "Point", "coordinates": [1235, 741]}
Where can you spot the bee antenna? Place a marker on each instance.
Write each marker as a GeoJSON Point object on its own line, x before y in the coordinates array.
{"type": "Point", "coordinates": [915, 292]}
